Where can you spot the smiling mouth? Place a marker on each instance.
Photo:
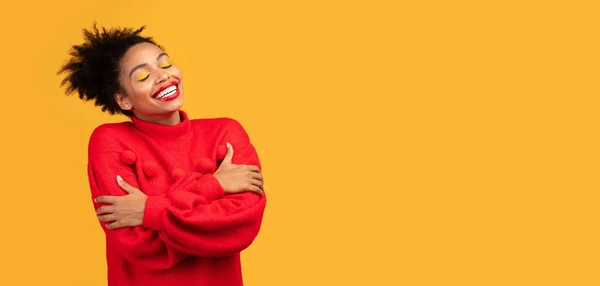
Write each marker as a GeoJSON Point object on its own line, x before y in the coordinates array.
{"type": "Point", "coordinates": [167, 92]}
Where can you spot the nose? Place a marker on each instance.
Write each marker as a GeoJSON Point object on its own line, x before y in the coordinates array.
{"type": "Point", "coordinates": [162, 77]}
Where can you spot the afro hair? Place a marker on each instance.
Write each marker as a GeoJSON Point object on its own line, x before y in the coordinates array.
{"type": "Point", "coordinates": [94, 66]}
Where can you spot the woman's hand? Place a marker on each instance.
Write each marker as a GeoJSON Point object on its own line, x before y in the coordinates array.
{"type": "Point", "coordinates": [238, 178]}
{"type": "Point", "coordinates": [123, 211]}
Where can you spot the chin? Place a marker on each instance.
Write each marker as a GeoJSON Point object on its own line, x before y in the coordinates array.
{"type": "Point", "coordinates": [175, 108]}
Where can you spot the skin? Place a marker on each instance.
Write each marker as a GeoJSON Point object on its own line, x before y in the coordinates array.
{"type": "Point", "coordinates": [144, 69]}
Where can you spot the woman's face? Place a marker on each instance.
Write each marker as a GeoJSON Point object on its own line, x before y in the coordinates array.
{"type": "Point", "coordinates": [151, 86]}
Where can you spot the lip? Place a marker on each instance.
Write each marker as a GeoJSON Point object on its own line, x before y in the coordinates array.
{"type": "Point", "coordinates": [165, 87]}
{"type": "Point", "coordinates": [175, 95]}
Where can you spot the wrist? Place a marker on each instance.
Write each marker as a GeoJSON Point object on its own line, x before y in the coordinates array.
{"type": "Point", "coordinates": [154, 207]}
{"type": "Point", "coordinates": [210, 187]}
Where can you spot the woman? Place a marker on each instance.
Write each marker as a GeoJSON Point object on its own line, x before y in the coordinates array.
{"type": "Point", "coordinates": [177, 198]}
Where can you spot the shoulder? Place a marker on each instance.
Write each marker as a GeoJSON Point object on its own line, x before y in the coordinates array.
{"type": "Point", "coordinates": [105, 137]}
{"type": "Point", "coordinates": [109, 131]}
{"type": "Point", "coordinates": [218, 124]}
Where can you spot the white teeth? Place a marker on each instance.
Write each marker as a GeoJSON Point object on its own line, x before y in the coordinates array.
{"type": "Point", "coordinates": [167, 92]}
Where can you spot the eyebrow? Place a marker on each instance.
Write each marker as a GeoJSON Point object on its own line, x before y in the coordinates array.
{"type": "Point", "coordinates": [145, 64]}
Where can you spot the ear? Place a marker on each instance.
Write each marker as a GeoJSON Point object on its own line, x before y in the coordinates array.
{"type": "Point", "coordinates": [123, 101]}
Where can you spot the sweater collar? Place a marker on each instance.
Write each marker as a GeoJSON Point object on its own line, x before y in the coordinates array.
{"type": "Point", "coordinates": [159, 130]}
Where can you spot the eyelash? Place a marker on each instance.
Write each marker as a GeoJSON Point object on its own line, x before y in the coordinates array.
{"type": "Point", "coordinates": [164, 66]}
{"type": "Point", "coordinates": [146, 77]}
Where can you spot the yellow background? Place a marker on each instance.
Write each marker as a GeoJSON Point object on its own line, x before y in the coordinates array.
{"type": "Point", "coordinates": [438, 143]}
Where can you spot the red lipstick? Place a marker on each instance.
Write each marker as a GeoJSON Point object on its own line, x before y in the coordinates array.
{"type": "Point", "coordinates": [164, 87]}
{"type": "Point", "coordinates": [170, 91]}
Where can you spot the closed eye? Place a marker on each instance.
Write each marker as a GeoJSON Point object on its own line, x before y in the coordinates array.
{"type": "Point", "coordinates": [165, 65]}
{"type": "Point", "coordinates": [143, 76]}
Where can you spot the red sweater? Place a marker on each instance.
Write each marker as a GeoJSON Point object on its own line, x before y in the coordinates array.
{"type": "Point", "coordinates": [192, 232]}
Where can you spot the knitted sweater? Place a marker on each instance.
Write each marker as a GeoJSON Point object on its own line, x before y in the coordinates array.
{"type": "Point", "coordinates": [192, 232]}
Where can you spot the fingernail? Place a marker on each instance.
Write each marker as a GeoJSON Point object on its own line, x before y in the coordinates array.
{"type": "Point", "coordinates": [228, 145]}
{"type": "Point", "coordinates": [95, 200]}
{"type": "Point", "coordinates": [119, 178]}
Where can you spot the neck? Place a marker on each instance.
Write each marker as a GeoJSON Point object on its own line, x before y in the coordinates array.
{"type": "Point", "coordinates": [170, 119]}
{"type": "Point", "coordinates": [165, 127]}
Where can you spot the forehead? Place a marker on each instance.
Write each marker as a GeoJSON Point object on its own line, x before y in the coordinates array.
{"type": "Point", "coordinates": [140, 54]}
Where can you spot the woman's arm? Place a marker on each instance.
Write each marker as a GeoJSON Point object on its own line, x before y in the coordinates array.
{"type": "Point", "coordinates": [193, 223]}
{"type": "Point", "coordinates": [190, 223]}
{"type": "Point", "coordinates": [139, 245]}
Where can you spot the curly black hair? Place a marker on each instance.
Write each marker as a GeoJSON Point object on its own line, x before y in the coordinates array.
{"type": "Point", "coordinates": [94, 66]}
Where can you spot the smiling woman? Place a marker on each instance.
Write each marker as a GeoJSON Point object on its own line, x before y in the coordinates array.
{"type": "Point", "coordinates": [139, 88]}
{"type": "Point", "coordinates": [178, 198]}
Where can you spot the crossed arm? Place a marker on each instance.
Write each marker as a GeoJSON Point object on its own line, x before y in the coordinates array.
{"type": "Point", "coordinates": [128, 210]}
{"type": "Point", "coordinates": [159, 231]}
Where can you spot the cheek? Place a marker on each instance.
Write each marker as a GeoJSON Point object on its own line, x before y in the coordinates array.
{"type": "Point", "coordinates": [176, 72]}
{"type": "Point", "coordinates": [144, 89]}
{"type": "Point", "coordinates": [140, 92]}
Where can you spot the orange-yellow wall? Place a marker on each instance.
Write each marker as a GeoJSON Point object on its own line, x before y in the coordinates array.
{"type": "Point", "coordinates": [403, 142]}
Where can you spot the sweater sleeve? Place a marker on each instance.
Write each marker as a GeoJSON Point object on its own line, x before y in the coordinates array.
{"type": "Point", "coordinates": [139, 245]}
{"type": "Point", "coordinates": [224, 226]}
